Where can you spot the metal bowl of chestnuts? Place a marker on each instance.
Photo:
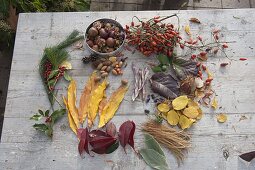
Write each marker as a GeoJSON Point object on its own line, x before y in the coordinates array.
{"type": "Point", "coordinates": [104, 37]}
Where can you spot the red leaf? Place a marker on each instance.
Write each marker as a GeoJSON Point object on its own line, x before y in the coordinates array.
{"type": "Point", "coordinates": [242, 59]}
{"type": "Point", "coordinates": [101, 143]}
{"type": "Point", "coordinates": [111, 129]}
{"type": "Point", "coordinates": [83, 144]}
{"type": "Point", "coordinates": [95, 133]}
{"type": "Point", "coordinates": [126, 134]}
{"type": "Point", "coordinates": [79, 131]}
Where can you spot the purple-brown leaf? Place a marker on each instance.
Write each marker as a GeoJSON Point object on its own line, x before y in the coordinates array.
{"type": "Point", "coordinates": [126, 134]}
{"type": "Point", "coordinates": [83, 144]}
{"type": "Point", "coordinates": [100, 144]}
{"type": "Point", "coordinates": [248, 156]}
{"type": "Point", "coordinates": [111, 129]}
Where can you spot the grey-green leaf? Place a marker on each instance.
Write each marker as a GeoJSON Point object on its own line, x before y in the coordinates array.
{"type": "Point", "coordinates": [47, 113]}
{"type": "Point", "coordinates": [41, 112]}
{"type": "Point", "coordinates": [36, 117]}
{"type": "Point", "coordinates": [67, 77]}
{"type": "Point", "coordinates": [154, 159]}
{"type": "Point", "coordinates": [163, 59]}
{"type": "Point", "coordinates": [57, 114]}
{"type": "Point", "coordinates": [151, 143]}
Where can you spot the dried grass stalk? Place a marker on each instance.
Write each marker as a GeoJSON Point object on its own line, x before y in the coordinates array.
{"type": "Point", "coordinates": [176, 141]}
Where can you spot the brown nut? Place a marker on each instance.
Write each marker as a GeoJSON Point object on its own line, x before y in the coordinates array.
{"type": "Point", "coordinates": [103, 75]}
{"type": "Point", "coordinates": [107, 63]}
{"type": "Point", "coordinates": [108, 69]}
{"type": "Point", "coordinates": [115, 63]}
{"type": "Point", "coordinates": [118, 69]}
{"type": "Point", "coordinates": [102, 72]}
{"type": "Point", "coordinates": [124, 82]}
{"type": "Point", "coordinates": [117, 66]}
{"type": "Point", "coordinates": [113, 59]}
{"type": "Point", "coordinates": [120, 72]}
{"type": "Point", "coordinates": [97, 79]}
{"type": "Point", "coordinates": [103, 68]}
{"type": "Point", "coordinates": [114, 72]}
{"type": "Point", "coordinates": [99, 66]}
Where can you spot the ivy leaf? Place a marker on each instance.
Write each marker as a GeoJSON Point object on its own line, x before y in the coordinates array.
{"type": "Point", "coordinates": [41, 112]}
{"type": "Point", "coordinates": [163, 59]}
{"type": "Point", "coordinates": [183, 67]}
{"type": "Point", "coordinates": [151, 143]}
{"type": "Point", "coordinates": [165, 85]}
{"type": "Point", "coordinates": [53, 73]}
{"type": "Point", "coordinates": [126, 134]}
{"type": "Point", "coordinates": [67, 77]}
{"type": "Point", "coordinates": [36, 117]}
{"type": "Point", "coordinates": [57, 114]}
{"type": "Point", "coordinates": [46, 113]}
{"type": "Point", "coordinates": [154, 159]}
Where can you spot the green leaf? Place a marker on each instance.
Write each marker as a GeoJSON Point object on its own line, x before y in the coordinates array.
{"type": "Point", "coordinates": [51, 82]}
{"type": "Point", "coordinates": [47, 113]}
{"type": "Point", "coordinates": [57, 114]}
{"type": "Point", "coordinates": [36, 117]}
{"type": "Point", "coordinates": [112, 148]}
{"type": "Point", "coordinates": [41, 112]}
{"type": "Point", "coordinates": [49, 131]}
{"type": "Point", "coordinates": [154, 159]}
{"type": "Point", "coordinates": [184, 67]}
{"type": "Point", "coordinates": [156, 69]}
{"type": "Point", "coordinates": [151, 143]}
{"type": "Point", "coordinates": [53, 74]}
{"type": "Point", "coordinates": [41, 127]}
{"type": "Point", "coordinates": [163, 59]}
{"type": "Point", "coordinates": [67, 77]}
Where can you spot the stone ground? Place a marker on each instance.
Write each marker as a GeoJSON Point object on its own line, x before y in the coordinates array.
{"type": "Point", "coordinates": [125, 5]}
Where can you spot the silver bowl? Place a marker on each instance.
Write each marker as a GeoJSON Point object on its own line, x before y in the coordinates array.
{"type": "Point", "coordinates": [110, 53]}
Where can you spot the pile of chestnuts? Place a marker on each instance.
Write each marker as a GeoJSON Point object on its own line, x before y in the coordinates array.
{"type": "Point", "coordinates": [104, 37]}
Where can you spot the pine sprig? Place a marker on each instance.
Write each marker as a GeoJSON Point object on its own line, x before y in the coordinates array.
{"type": "Point", "coordinates": [56, 55]}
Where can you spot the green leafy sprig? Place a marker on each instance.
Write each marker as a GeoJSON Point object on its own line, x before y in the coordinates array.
{"type": "Point", "coordinates": [49, 120]}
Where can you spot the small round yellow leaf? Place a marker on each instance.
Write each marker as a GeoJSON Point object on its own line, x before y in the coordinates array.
{"type": "Point", "coordinates": [173, 117]}
{"type": "Point", "coordinates": [193, 104]}
{"type": "Point", "coordinates": [163, 107]}
{"type": "Point", "coordinates": [185, 122]}
{"type": "Point", "coordinates": [200, 114]}
{"type": "Point", "coordinates": [180, 102]}
{"type": "Point", "coordinates": [164, 115]}
{"type": "Point", "coordinates": [221, 118]}
{"type": "Point", "coordinates": [191, 112]}
{"type": "Point", "coordinates": [67, 65]}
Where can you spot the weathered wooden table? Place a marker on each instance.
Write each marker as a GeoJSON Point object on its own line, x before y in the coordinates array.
{"type": "Point", "coordinates": [24, 148]}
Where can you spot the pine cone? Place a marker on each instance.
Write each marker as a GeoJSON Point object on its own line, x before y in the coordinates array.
{"type": "Point", "coordinates": [86, 59]}
{"type": "Point", "coordinates": [93, 58]}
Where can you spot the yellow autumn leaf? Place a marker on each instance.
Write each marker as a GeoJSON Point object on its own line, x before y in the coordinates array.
{"type": "Point", "coordinates": [185, 122]}
{"type": "Point", "coordinates": [71, 101]}
{"type": "Point", "coordinates": [200, 114]}
{"type": "Point", "coordinates": [187, 29]}
{"type": "Point", "coordinates": [112, 105]}
{"type": "Point", "coordinates": [96, 97]}
{"type": "Point", "coordinates": [102, 104]}
{"type": "Point", "coordinates": [85, 97]}
{"type": "Point", "coordinates": [192, 103]}
{"type": "Point", "coordinates": [163, 107]}
{"type": "Point", "coordinates": [191, 112]}
{"type": "Point", "coordinates": [180, 102]}
{"type": "Point", "coordinates": [221, 118]}
{"type": "Point", "coordinates": [67, 65]}
{"type": "Point", "coordinates": [70, 119]}
{"type": "Point", "coordinates": [214, 103]}
{"type": "Point", "coordinates": [209, 74]}
{"type": "Point", "coordinates": [173, 117]}
{"type": "Point", "coordinates": [164, 115]}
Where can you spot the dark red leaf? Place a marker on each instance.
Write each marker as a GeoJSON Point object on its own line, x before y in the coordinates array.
{"type": "Point", "coordinates": [100, 144]}
{"type": "Point", "coordinates": [242, 59]}
{"type": "Point", "coordinates": [223, 64]}
{"type": "Point", "coordinates": [83, 144]}
{"type": "Point", "coordinates": [79, 131]}
{"type": "Point", "coordinates": [95, 133]}
{"type": "Point", "coordinates": [111, 129]}
{"type": "Point", "coordinates": [126, 134]}
{"type": "Point", "coordinates": [248, 156]}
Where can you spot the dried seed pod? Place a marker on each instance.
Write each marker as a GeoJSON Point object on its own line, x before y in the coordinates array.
{"type": "Point", "coordinates": [103, 68]}
{"type": "Point", "coordinates": [103, 75]}
{"type": "Point", "coordinates": [124, 82]}
{"type": "Point", "coordinates": [99, 66]}
{"type": "Point", "coordinates": [114, 72]}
